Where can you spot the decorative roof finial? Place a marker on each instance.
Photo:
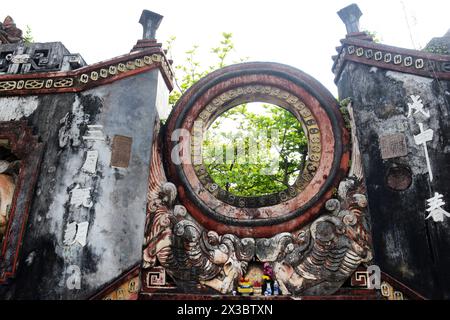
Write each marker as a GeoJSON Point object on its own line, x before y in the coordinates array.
{"type": "Point", "coordinates": [350, 16]}
{"type": "Point", "coordinates": [150, 22]}
{"type": "Point", "coordinates": [9, 33]}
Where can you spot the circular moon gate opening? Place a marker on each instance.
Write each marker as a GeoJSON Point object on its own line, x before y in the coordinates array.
{"type": "Point", "coordinates": [264, 215]}
{"type": "Point", "coordinates": [252, 150]}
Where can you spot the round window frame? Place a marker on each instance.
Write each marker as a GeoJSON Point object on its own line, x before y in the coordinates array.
{"type": "Point", "coordinates": [266, 220]}
{"type": "Point", "coordinates": [265, 94]}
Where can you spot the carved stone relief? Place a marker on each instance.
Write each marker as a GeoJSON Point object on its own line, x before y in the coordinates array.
{"type": "Point", "coordinates": [314, 260]}
{"type": "Point", "coordinates": [7, 187]}
{"type": "Point", "coordinates": [311, 249]}
{"type": "Point", "coordinates": [9, 33]}
{"type": "Point", "coordinates": [9, 171]}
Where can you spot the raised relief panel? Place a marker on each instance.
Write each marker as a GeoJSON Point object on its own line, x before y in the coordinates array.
{"type": "Point", "coordinates": [207, 238]}
{"type": "Point", "coordinates": [81, 197]}
{"type": "Point", "coordinates": [121, 151]}
{"type": "Point", "coordinates": [359, 279]}
{"type": "Point", "coordinates": [393, 146]}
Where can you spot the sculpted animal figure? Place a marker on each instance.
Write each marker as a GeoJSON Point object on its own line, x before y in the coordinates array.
{"type": "Point", "coordinates": [336, 245]}
{"type": "Point", "coordinates": [188, 252]}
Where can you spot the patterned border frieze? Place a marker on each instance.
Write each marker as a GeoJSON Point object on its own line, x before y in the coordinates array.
{"type": "Point", "coordinates": [392, 58]}
{"type": "Point", "coordinates": [89, 76]}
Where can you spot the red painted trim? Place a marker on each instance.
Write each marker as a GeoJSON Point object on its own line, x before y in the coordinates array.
{"type": "Point", "coordinates": [410, 293]}
{"type": "Point", "coordinates": [114, 284]}
{"type": "Point", "coordinates": [75, 74]}
{"type": "Point", "coordinates": [185, 296]}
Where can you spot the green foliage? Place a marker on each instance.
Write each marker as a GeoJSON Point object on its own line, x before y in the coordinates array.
{"type": "Point", "coordinates": [277, 164]}
{"type": "Point", "coordinates": [375, 36]}
{"type": "Point", "coordinates": [28, 37]}
{"type": "Point", "coordinates": [437, 49]}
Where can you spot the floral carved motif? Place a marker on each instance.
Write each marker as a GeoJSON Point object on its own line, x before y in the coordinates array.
{"type": "Point", "coordinates": [314, 260]}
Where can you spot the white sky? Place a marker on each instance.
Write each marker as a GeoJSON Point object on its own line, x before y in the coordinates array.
{"type": "Point", "coordinates": [303, 34]}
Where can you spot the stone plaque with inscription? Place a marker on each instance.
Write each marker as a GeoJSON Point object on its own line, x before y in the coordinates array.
{"type": "Point", "coordinates": [393, 146]}
{"type": "Point", "coordinates": [121, 151]}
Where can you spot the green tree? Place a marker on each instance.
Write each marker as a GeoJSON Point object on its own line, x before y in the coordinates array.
{"type": "Point", "coordinates": [28, 37]}
{"type": "Point", "coordinates": [268, 150]}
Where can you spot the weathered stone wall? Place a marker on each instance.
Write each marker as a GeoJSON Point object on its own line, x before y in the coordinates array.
{"type": "Point", "coordinates": [407, 246]}
{"type": "Point", "coordinates": [70, 125]}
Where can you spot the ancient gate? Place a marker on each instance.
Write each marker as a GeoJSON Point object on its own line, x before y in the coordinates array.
{"type": "Point", "coordinates": [80, 187]}
{"type": "Point", "coordinates": [199, 236]}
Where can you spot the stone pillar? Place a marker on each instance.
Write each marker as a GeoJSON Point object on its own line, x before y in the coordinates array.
{"type": "Point", "coordinates": [401, 103]}
{"type": "Point", "coordinates": [86, 216]}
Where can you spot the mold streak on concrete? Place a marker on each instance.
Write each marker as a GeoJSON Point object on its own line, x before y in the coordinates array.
{"type": "Point", "coordinates": [114, 207]}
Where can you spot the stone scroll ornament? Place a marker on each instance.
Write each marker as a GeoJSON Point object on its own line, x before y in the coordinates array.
{"type": "Point", "coordinates": [314, 234]}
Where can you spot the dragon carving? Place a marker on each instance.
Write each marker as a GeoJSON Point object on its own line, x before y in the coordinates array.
{"type": "Point", "coordinates": [312, 261]}
{"type": "Point", "coordinates": [189, 253]}
{"type": "Point", "coordinates": [326, 253]}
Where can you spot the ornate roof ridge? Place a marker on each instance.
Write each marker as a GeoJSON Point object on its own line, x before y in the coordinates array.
{"type": "Point", "coordinates": [392, 58]}
{"type": "Point", "coordinates": [96, 74]}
